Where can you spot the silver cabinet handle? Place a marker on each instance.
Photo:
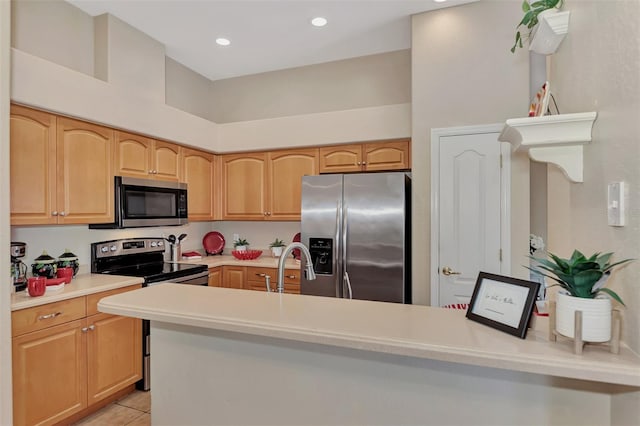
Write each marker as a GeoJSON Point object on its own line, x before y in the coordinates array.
{"type": "Point", "coordinates": [359, 163]}
{"type": "Point", "coordinates": [290, 276]}
{"type": "Point", "coordinates": [150, 171]}
{"type": "Point", "coordinates": [54, 213]}
{"type": "Point", "coordinates": [62, 213]}
{"type": "Point", "coordinates": [47, 316]}
{"type": "Point", "coordinates": [90, 328]}
{"type": "Point", "coordinates": [364, 163]}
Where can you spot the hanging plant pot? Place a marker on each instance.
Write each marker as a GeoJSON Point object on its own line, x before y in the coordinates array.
{"type": "Point", "coordinates": [551, 29]}
{"type": "Point", "coordinates": [596, 317]}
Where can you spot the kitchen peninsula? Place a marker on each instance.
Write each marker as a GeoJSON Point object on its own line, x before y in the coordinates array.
{"type": "Point", "coordinates": [223, 356]}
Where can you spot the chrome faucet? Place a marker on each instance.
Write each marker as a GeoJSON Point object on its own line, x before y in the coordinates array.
{"type": "Point", "coordinates": [311, 275]}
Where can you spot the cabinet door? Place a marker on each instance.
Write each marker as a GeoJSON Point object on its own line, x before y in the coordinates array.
{"type": "Point", "coordinates": [133, 155]}
{"type": "Point", "coordinates": [233, 277]}
{"type": "Point", "coordinates": [114, 354]}
{"type": "Point", "coordinates": [392, 155]}
{"type": "Point", "coordinates": [244, 188]}
{"type": "Point", "coordinates": [49, 374]}
{"type": "Point", "coordinates": [85, 172]}
{"type": "Point", "coordinates": [286, 169]}
{"type": "Point", "coordinates": [33, 167]}
{"type": "Point", "coordinates": [215, 277]}
{"type": "Point", "coordinates": [166, 161]}
{"type": "Point", "coordinates": [343, 158]}
{"type": "Point", "coordinates": [197, 169]}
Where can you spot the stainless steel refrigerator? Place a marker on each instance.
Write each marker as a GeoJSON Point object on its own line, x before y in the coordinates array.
{"type": "Point", "coordinates": [357, 228]}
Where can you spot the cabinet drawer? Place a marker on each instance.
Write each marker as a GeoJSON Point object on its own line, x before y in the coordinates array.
{"type": "Point", "coordinates": [93, 299]}
{"type": "Point", "coordinates": [258, 274]}
{"type": "Point", "coordinates": [40, 317]}
{"type": "Point", "coordinates": [292, 276]}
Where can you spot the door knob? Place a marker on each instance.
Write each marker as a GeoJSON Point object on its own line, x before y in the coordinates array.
{"type": "Point", "coordinates": [448, 271]}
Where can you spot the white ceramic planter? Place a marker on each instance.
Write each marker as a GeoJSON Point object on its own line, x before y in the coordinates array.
{"type": "Point", "coordinates": [241, 248]}
{"type": "Point", "coordinates": [277, 251]}
{"type": "Point", "coordinates": [596, 317]}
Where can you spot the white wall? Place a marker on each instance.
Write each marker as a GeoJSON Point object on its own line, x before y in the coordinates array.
{"type": "Point", "coordinates": [187, 90]}
{"type": "Point", "coordinates": [362, 124]}
{"type": "Point", "coordinates": [53, 30]}
{"type": "Point", "coordinates": [128, 58]}
{"type": "Point", "coordinates": [463, 74]}
{"type": "Point", "coordinates": [362, 82]}
{"type": "Point", "coordinates": [598, 69]}
{"type": "Point", "coordinates": [259, 234]}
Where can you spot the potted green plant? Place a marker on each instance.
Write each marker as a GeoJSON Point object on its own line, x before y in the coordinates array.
{"type": "Point", "coordinates": [240, 244]}
{"type": "Point", "coordinates": [531, 17]}
{"type": "Point", "coordinates": [276, 247]}
{"type": "Point", "coordinates": [582, 282]}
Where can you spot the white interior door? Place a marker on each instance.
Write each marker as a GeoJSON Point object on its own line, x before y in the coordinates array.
{"type": "Point", "coordinates": [470, 202]}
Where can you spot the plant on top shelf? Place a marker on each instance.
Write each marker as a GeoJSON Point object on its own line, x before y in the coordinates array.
{"type": "Point", "coordinates": [530, 18]}
{"type": "Point", "coordinates": [580, 276]}
{"type": "Point", "coordinates": [240, 244]}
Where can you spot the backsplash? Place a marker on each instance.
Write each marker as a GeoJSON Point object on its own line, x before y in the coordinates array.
{"type": "Point", "coordinates": [78, 238]}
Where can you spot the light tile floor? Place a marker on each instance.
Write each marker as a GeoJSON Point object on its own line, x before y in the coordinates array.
{"type": "Point", "coordinates": [131, 410]}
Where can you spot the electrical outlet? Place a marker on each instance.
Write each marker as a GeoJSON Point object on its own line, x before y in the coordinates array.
{"type": "Point", "coordinates": [236, 237]}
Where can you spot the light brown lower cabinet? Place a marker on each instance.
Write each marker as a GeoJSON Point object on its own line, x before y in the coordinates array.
{"type": "Point", "coordinates": [215, 276]}
{"type": "Point", "coordinates": [67, 357]}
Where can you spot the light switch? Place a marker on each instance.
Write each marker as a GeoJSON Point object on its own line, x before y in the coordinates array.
{"type": "Point", "coordinates": [616, 204]}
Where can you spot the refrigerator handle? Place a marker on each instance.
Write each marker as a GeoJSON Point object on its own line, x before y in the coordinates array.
{"type": "Point", "coordinates": [336, 250]}
{"type": "Point", "coordinates": [346, 282]}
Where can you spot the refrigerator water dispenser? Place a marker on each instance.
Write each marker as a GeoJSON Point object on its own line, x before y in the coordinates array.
{"type": "Point", "coordinates": [321, 250]}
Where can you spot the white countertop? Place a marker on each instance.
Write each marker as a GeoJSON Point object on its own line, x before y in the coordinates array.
{"type": "Point", "coordinates": [264, 261]}
{"type": "Point", "coordinates": [80, 285]}
{"type": "Point", "coordinates": [411, 330]}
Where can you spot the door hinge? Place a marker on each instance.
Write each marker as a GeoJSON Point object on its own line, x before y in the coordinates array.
{"type": "Point", "coordinates": [500, 160]}
{"type": "Point", "coordinates": [500, 253]}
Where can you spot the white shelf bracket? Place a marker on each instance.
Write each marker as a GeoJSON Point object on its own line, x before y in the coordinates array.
{"type": "Point", "coordinates": [555, 139]}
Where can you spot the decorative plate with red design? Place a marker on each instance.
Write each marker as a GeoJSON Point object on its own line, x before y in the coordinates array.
{"type": "Point", "coordinates": [213, 242]}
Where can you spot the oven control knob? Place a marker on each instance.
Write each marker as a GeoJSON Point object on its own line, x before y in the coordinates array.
{"type": "Point", "coordinates": [160, 243]}
{"type": "Point", "coordinates": [153, 244]}
{"type": "Point", "coordinates": [104, 249]}
{"type": "Point", "coordinates": [114, 248]}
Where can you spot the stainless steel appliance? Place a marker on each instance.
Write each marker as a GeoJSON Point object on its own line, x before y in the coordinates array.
{"type": "Point", "coordinates": [18, 267]}
{"type": "Point", "coordinates": [358, 230]}
{"type": "Point", "coordinates": [144, 257]}
{"type": "Point", "coordinates": [144, 202]}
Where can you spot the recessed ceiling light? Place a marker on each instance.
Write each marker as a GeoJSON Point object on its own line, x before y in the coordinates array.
{"type": "Point", "coordinates": [223, 41]}
{"type": "Point", "coordinates": [319, 22]}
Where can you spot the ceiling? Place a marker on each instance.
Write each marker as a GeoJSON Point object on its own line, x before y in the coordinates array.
{"type": "Point", "coordinates": [267, 35]}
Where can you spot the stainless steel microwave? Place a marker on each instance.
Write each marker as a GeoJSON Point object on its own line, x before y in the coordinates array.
{"type": "Point", "coordinates": [144, 202]}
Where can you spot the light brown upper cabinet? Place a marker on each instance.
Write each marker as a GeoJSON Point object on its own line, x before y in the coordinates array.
{"type": "Point", "coordinates": [141, 157]}
{"type": "Point", "coordinates": [244, 186]}
{"type": "Point", "coordinates": [33, 167]}
{"type": "Point", "coordinates": [265, 185]}
{"type": "Point", "coordinates": [198, 173]}
{"type": "Point", "coordinates": [61, 170]}
{"type": "Point", "coordinates": [366, 157]}
{"type": "Point", "coordinates": [285, 172]}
